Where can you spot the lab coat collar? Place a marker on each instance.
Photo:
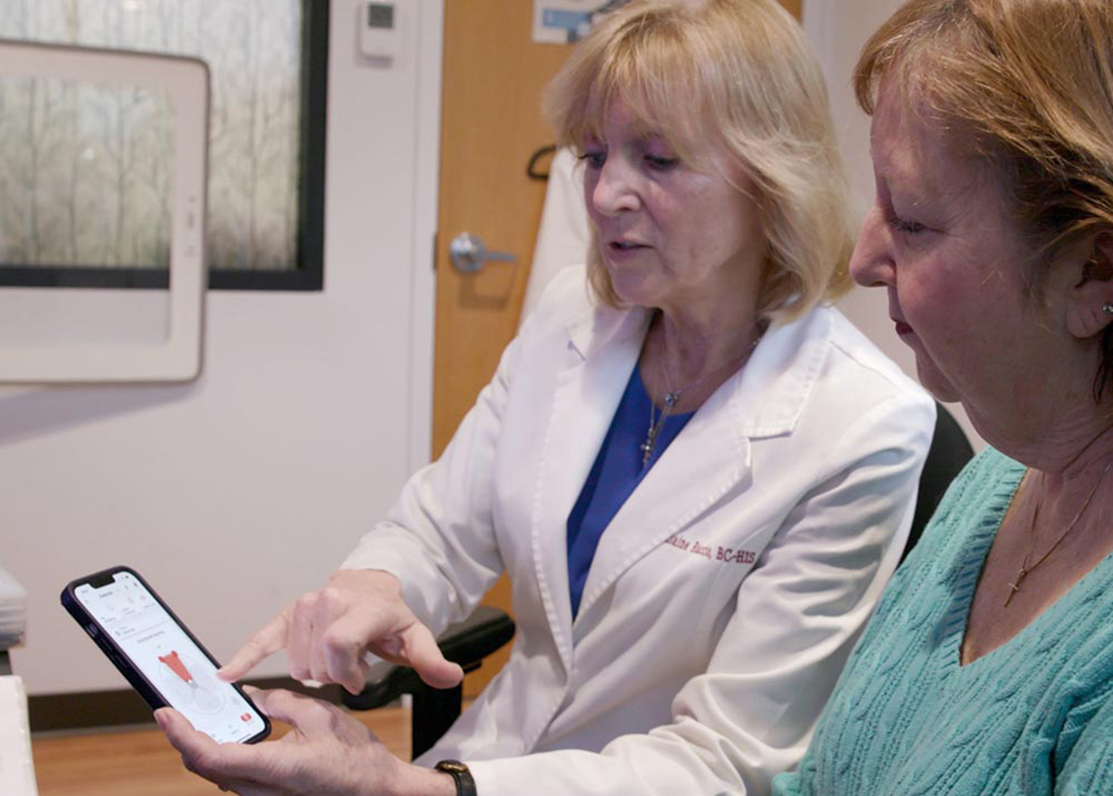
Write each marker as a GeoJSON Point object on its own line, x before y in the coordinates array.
{"type": "Point", "coordinates": [772, 389]}
{"type": "Point", "coordinates": [599, 326]}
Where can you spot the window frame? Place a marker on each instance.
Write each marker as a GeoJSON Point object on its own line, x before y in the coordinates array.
{"type": "Point", "coordinates": [308, 273]}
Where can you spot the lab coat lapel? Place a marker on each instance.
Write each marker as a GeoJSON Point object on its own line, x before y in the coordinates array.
{"type": "Point", "coordinates": [603, 350]}
{"type": "Point", "coordinates": [712, 455]}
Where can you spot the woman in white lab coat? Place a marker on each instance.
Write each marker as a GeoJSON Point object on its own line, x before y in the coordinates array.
{"type": "Point", "coordinates": [697, 475]}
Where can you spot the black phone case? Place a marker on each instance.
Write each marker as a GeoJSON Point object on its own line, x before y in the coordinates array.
{"type": "Point", "coordinates": [109, 647]}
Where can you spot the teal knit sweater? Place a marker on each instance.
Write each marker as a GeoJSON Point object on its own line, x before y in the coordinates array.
{"type": "Point", "coordinates": [1032, 717]}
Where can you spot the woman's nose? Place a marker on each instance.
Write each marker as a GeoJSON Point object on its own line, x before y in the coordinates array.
{"type": "Point", "coordinates": [615, 189]}
{"type": "Point", "coordinates": [872, 263]}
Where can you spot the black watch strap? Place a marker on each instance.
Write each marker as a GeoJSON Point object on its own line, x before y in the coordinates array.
{"type": "Point", "coordinates": [465, 783]}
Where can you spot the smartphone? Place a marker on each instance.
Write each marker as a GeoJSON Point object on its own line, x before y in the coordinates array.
{"type": "Point", "coordinates": [158, 655]}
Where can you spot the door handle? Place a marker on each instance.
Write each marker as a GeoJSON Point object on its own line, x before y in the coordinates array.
{"type": "Point", "coordinates": [468, 254]}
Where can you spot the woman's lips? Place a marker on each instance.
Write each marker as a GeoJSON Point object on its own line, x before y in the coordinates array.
{"type": "Point", "coordinates": [902, 327]}
{"type": "Point", "coordinates": [620, 251]}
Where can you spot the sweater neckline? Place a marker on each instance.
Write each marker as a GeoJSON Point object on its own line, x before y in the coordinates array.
{"type": "Point", "coordinates": [970, 570]}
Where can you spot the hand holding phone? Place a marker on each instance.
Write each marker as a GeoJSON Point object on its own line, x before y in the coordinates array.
{"type": "Point", "coordinates": [159, 656]}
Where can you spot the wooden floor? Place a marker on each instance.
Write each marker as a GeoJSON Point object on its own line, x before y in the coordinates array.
{"type": "Point", "coordinates": [139, 762]}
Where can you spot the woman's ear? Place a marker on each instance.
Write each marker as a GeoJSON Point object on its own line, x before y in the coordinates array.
{"type": "Point", "coordinates": [1090, 308]}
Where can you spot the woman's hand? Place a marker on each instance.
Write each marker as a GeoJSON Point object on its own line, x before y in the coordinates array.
{"type": "Point", "coordinates": [326, 633]}
{"type": "Point", "coordinates": [326, 753]}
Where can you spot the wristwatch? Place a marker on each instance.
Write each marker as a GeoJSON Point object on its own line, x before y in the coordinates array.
{"type": "Point", "coordinates": [465, 783]}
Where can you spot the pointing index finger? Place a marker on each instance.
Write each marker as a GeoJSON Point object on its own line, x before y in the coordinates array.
{"type": "Point", "coordinates": [267, 641]}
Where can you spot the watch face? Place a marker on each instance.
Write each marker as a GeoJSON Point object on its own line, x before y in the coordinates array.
{"type": "Point", "coordinates": [451, 766]}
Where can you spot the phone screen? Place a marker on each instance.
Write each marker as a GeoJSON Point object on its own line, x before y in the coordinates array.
{"type": "Point", "coordinates": [165, 654]}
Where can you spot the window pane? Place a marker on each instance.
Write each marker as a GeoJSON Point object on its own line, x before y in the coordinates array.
{"type": "Point", "coordinates": [253, 48]}
{"type": "Point", "coordinates": [85, 174]}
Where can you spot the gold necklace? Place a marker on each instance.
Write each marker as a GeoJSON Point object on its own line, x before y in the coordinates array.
{"type": "Point", "coordinates": [1025, 569]}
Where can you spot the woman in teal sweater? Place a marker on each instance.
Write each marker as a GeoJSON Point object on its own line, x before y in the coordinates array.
{"type": "Point", "coordinates": [988, 668]}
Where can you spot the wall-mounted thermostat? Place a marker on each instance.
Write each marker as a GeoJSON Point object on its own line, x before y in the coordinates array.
{"type": "Point", "coordinates": [379, 36]}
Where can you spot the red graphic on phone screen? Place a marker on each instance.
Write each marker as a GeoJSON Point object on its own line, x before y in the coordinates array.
{"type": "Point", "coordinates": [245, 717]}
{"type": "Point", "coordinates": [175, 663]}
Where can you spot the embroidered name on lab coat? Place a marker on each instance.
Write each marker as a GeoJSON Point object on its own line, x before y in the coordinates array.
{"type": "Point", "coordinates": [712, 552]}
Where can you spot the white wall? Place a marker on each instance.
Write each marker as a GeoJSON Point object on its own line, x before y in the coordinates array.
{"type": "Point", "coordinates": [837, 30]}
{"type": "Point", "coordinates": [237, 492]}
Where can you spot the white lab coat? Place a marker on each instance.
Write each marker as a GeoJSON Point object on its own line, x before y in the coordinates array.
{"type": "Point", "coordinates": [725, 595]}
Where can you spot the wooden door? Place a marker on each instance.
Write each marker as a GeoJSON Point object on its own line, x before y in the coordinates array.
{"type": "Point", "coordinates": [491, 125]}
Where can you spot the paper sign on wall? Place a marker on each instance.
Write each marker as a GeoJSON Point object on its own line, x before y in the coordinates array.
{"type": "Point", "coordinates": [562, 21]}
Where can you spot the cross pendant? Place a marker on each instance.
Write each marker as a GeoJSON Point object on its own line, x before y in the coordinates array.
{"type": "Point", "coordinates": [1015, 587]}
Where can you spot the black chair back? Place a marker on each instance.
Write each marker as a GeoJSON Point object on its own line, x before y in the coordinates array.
{"type": "Point", "coordinates": [950, 451]}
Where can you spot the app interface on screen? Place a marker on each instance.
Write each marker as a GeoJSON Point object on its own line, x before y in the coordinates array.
{"type": "Point", "coordinates": [169, 659]}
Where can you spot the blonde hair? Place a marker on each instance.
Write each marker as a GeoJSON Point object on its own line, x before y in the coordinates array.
{"type": "Point", "coordinates": [737, 76]}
